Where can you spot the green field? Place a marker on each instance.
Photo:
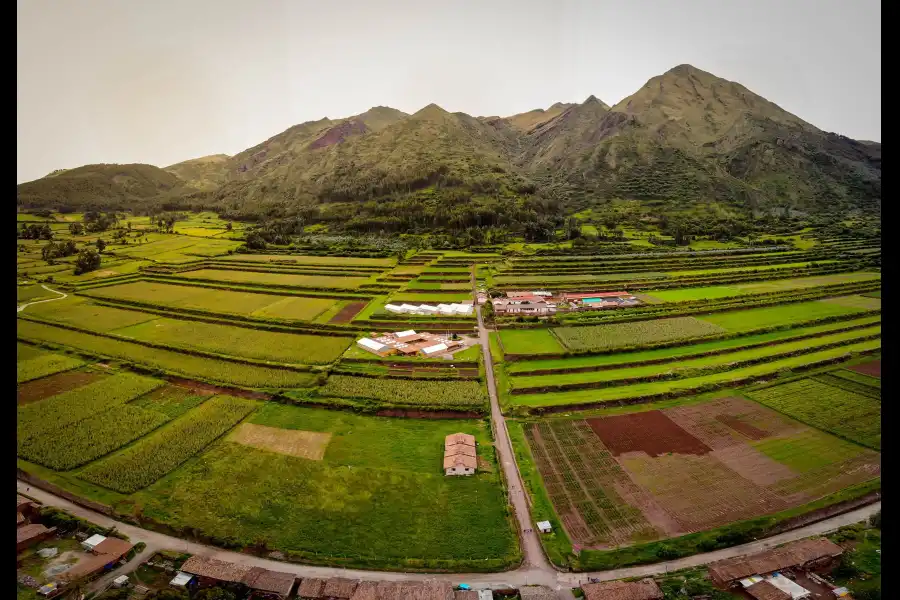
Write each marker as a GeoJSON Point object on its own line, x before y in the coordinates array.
{"type": "Point", "coordinates": [675, 352]}
{"type": "Point", "coordinates": [79, 311]}
{"type": "Point", "coordinates": [168, 360]}
{"type": "Point", "coordinates": [466, 394]}
{"type": "Point", "coordinates": [778, 316]}
{"type": "Point", "coordinates": [853, 416]}
{"type": "Point", "coordinates": [217, 300]}
{"type": "Point", "coordinates": [529, 341]}
{"type": "Point", "coordinates": [433, 298]}
{"type": "Point", "coordinates": [291, 348]}
{"type": "Point", "coordinates": [33, 363]}
{"type": "Point", "coordinates": [299, 259]}
{"type": "Point", "coordinates": [638, 333]}
{"type": "Point", "coordinates": [739, 289]}
{"type": "Point", "coordinates": [717, 361]}
{"type": "Point", "coordinates": [282, 279]}
{"type": "Point", "coordinates": [641, 390]}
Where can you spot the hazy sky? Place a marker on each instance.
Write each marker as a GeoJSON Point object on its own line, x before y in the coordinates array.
{"type": "Point", "coordinates": [167, 80]}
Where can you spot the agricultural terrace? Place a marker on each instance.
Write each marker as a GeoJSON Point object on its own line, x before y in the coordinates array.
{"type": "Point", "coordinates": [333, 280]}
{"type": "Point", "coordinates": [633, 477]}
{"type": "Point", "coordinates": [337, 479]}
{"type": "Point", "coordinates": [725, 291]}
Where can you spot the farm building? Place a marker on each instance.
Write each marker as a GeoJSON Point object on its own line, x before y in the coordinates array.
{"type": "Point", "coordinates": [544, 526]}
{"type": "Point", "coordinates": [105, 555]}
{"type": "Point", "coordinates": [30, 534]}
{"type": "Point", "coordinates": [459, 454]}
{"type": "Point", "coordinates": [339, 588]}
{"type": "Point", "coordinates": [92, 542]}
{"type": "Point", "coordinates": [374, 347]}
{"type": "Point", "coordinates": [804, 554]}
{"type": "Point", "coordinates": [646, 589]}
{"type": "Point", "coordinates": [764, 590]}
{"type": "Point", "coordinates": [538, 293]}
{"type": "Point", "coordinates": [435, 349]}
{"type": "Point", "coordinates": [262, 583]}
{"type": "Point", "coordinates": [428, 309]}
{"type": "Point", "coordinates": [601, 300]}
{"type": "Point", "coordinates": [311, 588]}
{"type": "Point", "coordinates": [181, 579]}
{"type": "Point", "coordinates": [24, 507]}
{"type": "Point", "coordinates": [531, 305]}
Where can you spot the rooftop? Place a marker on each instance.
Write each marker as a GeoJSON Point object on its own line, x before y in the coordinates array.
{"type": "Point", "coordinates": [338, 587]}
{"type": "Point", "coordinates": [215, 569]}
{"type": "Point", "coordinates": [646, 589]}
{"type": "Point", "coordinates": [270, 581]}
{"type": "Point", "coordinates": [789, 555]}
{"type": "Point", "coordinates": [763, 590]}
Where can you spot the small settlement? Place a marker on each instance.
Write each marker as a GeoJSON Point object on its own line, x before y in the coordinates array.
{"type": "Point", "coordinates": [544, 303]}
{"type": "Point", "coordinates": [98, 554]}
{"type": "Point", "coordinates": [459, 454]}
{"type": "Point", "coordinates": [777, 574]}
{"type": "Point", "coordinates": [409, 343]}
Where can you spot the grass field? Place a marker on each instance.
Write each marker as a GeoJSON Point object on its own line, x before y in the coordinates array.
{"type": "Point", "coordinates": [33, 363]}
{"type": "Point", "coordinates": [291, 348]}
{"type": "Point", "coordinates": [853, 416]}
{"type": "Point", "coordinates": [313, 260]}
{"type": "Point", "coordinates": [675, 352]}
{"type": "Point", "coordinates": [467, 394]}
{"type": "Point", "coordinates": [529, 341]}
{"type": "Point", "coordinates": [378, 496]}
{"type": "Point", "coordinates": [685, 366]}
{"type": "Point", "coordinates": [216, 300]}
{"type": "Point", "coordinates": [433, 298]}
{"type": "Point", "coordinates": [640, 390]}
{"type": "Point", "coordinates": [739, 289]}
{"type": "Point", "coordinates": [79, 311]}
{"type": "Point", "coordinates": [168, 360]}
{"type": "Point", "coordinates": [284, 279]}
{"type": "Point", "coordinates": [775, 316]}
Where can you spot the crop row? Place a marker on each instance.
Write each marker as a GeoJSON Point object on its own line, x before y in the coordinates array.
{"type": "Point", "coordinates": [407, 392]}
{"type": "Point", "coordinates": [182, 363]}
{"type": "Point", "coordinates": [69, 446]}
{"type": "Point", "coordinates": [162, 452]}
{"type": "Point", "coordinates": [45, 363]}
{"type": "Point", "coordinates": [72, 406]}
{"type": "Point", "coordinates": [662, 265]}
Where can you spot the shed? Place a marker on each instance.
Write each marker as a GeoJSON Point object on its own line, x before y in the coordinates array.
{"type": "Point", "coordinates": [181, 579]}
{"type": "Point", "coordinates": [311, 588]}
{"type": "Point", "coordinates": [544, 526]}
{"type": "Point", "coordinates": [113, 547]}
{"type": "Point", "coordinates": [802, 553]}
{"type": "Point", "coordinates": [120, 581]}
{"type": "Point", "coordinates": [273, 584]}
{"type": "Point", "coordinates": [31, 534]}
{"type": "Point", "coordinates": [216, 570]}
{"type": "Point", "coordinates": [445, 309]}
{"type": "Point", "coordinates": [763, 590]}
{"type": "Point", "coordinates": [372, 346]}
{"type": "Point", "coordinates": [428, 309]}
{"type": "Point", "coordinates": [394, 308]}
{"type": "Point", "coordinates": [436, 349]}
{"type": "Point", "coordinates": [409, 308]}
{"type": "Point", "coordinates": [645, 589]}
{"type": "Point", "coordinates": [792, 588]}
{"type": "Point", "coordinates": [92, 542]}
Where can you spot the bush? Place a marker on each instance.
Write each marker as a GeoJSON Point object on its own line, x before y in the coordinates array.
{"type": "Point", "coordinates": [875, 520]}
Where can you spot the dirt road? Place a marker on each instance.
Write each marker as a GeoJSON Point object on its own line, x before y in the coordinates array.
{"type": "Point", "coordinates": [22, 307]}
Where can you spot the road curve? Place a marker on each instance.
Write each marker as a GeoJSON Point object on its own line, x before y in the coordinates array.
{"type": "Point", "coordinates": [22, 307]}
{"type": "Point", "coordinates": [522, 576]}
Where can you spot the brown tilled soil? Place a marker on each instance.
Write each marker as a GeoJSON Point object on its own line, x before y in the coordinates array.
{"type": "Point", "coordinates": [651, 432]}
{"type": "Point", "coordinates": [55, 384]}
{"type": "Point", "coordinates": [871, 368]}
{"type": "Point", "coordinates": [346, 314]}
{"type": "Point", "coordinates": [741, 427]}
{"type": "Point", "coordinates": [293, 442]}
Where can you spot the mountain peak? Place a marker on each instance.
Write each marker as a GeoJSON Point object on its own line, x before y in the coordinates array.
{"type": "Point", "coordinates": [432, 111]}
{"type": "Point", "coordinates": [592, 100]}
{"type": "Point", "coordinates": [683, 69]}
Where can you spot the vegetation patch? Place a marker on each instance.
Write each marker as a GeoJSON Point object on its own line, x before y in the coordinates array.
{"type": "Point", "coordinates": [774, 316]}
{"type": "Point", "coordinates": [616, 335]}
{"type": "Point", "coordinates": [292, 442]}
{"type": "Point", "coordinates": [38, 389]}
{"type": "Point", "coordinates": [529, 341]}
{"type": "Point", "coordinates": [408, 392]}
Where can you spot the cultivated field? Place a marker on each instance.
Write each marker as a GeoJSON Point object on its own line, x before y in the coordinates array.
{"type": "Point", "coordinates": [641, 476]}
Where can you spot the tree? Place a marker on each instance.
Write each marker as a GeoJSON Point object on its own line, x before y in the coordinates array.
{"type": "Point", "coordinates": [76, 228]}
{"type": "Point", "coordinates": [101, 245]}
{"type": "Point", "coordinates": [88, 260]}
{"type": "Point", "coordinates": [255, 241]}
{"type": "Point", "coordinates": [214, 593]}
{"type": "Point", "coordinates": [168, 594]}
{"type": "Point", "coordinates": [228, 226]}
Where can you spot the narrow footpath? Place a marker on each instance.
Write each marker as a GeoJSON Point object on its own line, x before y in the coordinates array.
{"type": "Point", "coordinates": [22, 307]}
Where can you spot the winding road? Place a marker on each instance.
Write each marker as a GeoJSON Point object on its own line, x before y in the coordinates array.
{"type": "Point", "coordinates": [22, 307]}
{"type": "Point", "coordinates": [535, 568]}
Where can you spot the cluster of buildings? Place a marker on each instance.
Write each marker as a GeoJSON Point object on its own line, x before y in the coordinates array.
{"type": "Point", "coordinates": [427, 309]}
{"type": "Point", "coordinates": [459, 454]}
{"type": "Point", "coordinates": [409, 343]}
{"type": "Point", "coordinates": [785, 573]}
{"type": "Point", "coordinates": [645, 589]}
{"type": "Point", "coordinates": [198, 572]}
{"type": "Point", "coordinates": [545, 303]}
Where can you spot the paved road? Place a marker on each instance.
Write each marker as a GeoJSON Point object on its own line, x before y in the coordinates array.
{"type": "Point", "coordinates": [534, 557]}
{"type": "Point", "coordinates": [522, 576]}
{"type": "Point", "coordinates": [22, 307]}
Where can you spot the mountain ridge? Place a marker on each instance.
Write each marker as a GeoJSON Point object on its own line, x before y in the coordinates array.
{"type": "Point", "coordinates": [685, 136]}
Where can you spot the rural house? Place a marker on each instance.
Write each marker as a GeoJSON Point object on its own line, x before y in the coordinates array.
{"type": "Point", "coordinates": [269, 585]}
{"type": "Point", "coordinates": [105, 556]}
{"type": "Point", "coordinates": [311, 588]}
{"type": "Point", "coordinates": [459, 454]}
{"type": "Point", "coordinates": [339, 588]}
{"type": "Point", "coordinates": [532, 305]}
{"type": "Point", "coordinates": [30, 534]}
{"type": "Point", "coordinates": [536, 592]}
{"type": "Point", "coordinates": [804, 554]}
{"type": "Point", "coordinates": [646, 589]}
{"type": "Point", "coordinates": [262, 583]}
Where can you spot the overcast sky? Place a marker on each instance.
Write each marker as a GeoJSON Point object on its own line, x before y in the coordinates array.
{"type": "Point", "coordinates": [164, 81]}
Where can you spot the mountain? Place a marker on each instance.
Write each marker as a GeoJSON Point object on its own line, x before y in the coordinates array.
{"type": "Point", "coordinates": [101, 186]}
{"type": "Point", "coordinates": [204, 173]}
{"type": "Point", "coordinates": [686, 137]}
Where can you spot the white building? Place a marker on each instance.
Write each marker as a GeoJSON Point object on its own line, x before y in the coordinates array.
{"type": "Point", "coordinates": [436, 349]}
{"type": "Point", "coordinates": [92, 542]}
{"type": "Point", "coordinates": [544, 526]}
{"type": "Point", "coordinates": [372, 346]}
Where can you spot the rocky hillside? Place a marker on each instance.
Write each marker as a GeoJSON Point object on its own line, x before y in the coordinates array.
{"type": "Point", "coordinates": [685, 137]}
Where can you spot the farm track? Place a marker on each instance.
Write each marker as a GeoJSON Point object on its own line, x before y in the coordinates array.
{"type": "Point", "coordinates": [525, 575]}
{"type": "Point", "coordinates": [22, 307]}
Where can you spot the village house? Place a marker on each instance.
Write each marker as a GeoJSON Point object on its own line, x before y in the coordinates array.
{"type": "Point", "coordinates": [528, 305]}
{"type": "Point", "coordinates": [460, 457]}
{"type": "Point", "coordinates": [262, 584]}
{"type": "Point", "coordinates": [747, 571]}
{"type": "Point", "coordinates": [646, 589]}
{"type": "Point", "coordinates": [105, 555]}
